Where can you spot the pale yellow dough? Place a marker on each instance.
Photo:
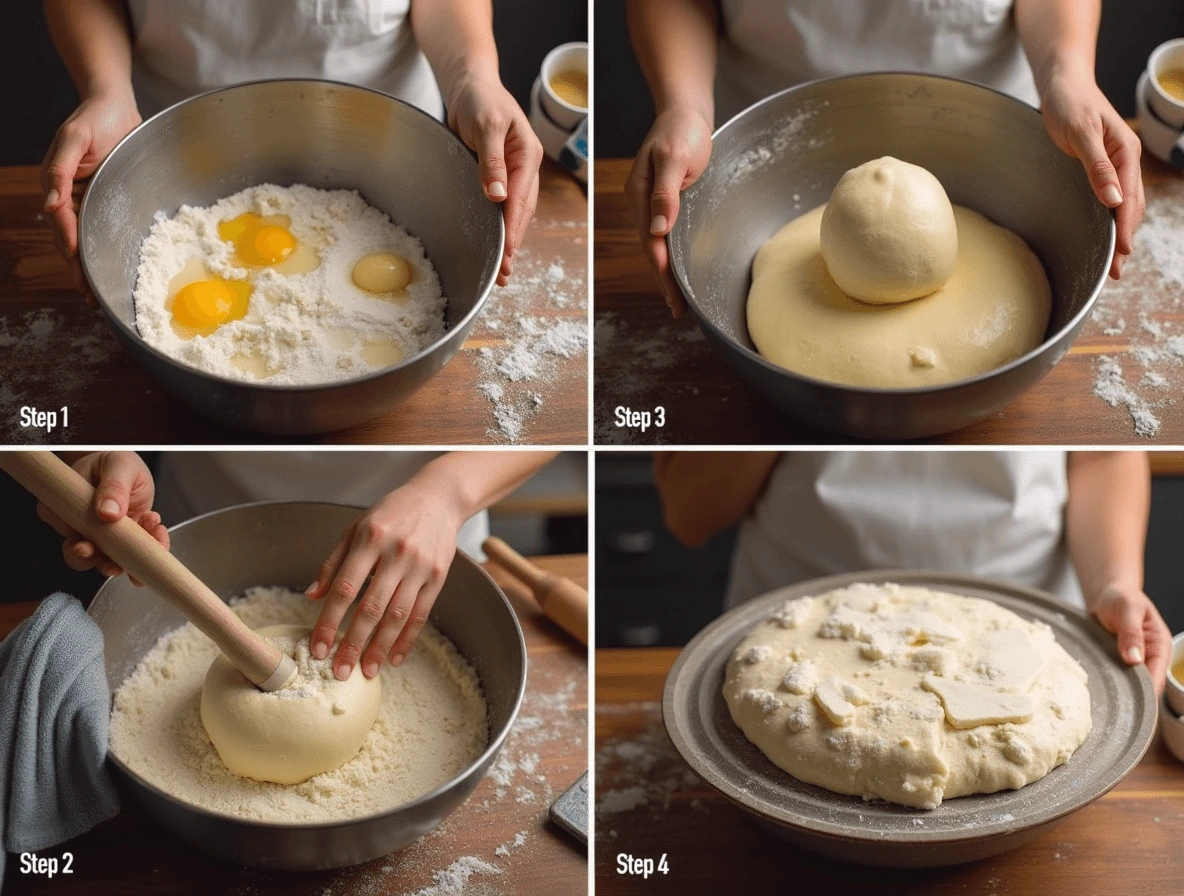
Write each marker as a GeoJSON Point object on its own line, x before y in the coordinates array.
{"type": "Point", "coordinates": [314, 725]}
{"type": "Point", "coordinates": [994, 308]}
{"type": "Point", "coordinates": [907, 694]}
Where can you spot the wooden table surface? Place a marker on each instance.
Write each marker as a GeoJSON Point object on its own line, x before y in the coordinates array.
{"type": "Point", "coordinates": [55, 351]}
{"type": "Point", "coordinates": [643, 359]}
{"type": "Point", "coordinates": [1127, 842]}
{"type": "Point", "coordinates": [132, 853]}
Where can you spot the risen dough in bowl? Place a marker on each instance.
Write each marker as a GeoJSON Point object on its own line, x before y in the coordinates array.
{"type": "Point", "coordinates": [888, 233]}
{"type": "Point", "coordinates": [994, 308]}
{"type": "Point", "coordinates": [907, 694]}
{"type": "Point", "coordinates": [314, 725]}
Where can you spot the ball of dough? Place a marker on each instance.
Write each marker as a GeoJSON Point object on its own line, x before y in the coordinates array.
{"type": "Point", "coordinates": [888, 233]}
{"type": "Point", "coordinates": [314, 725]}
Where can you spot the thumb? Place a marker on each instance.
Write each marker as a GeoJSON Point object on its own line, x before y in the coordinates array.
{"type": "Point", "coordinates": [664, 200]}
{"type": "Point", "coordinates": [1130, 633]}
{"type": "Point", "coordinates": [117, 479]}
{"type": "Point", "coordinates": [1090, 149]}
{"type": "Point", "coordinates": [62, 168]}
{"type": "Point", "coordinates": [491, 151]}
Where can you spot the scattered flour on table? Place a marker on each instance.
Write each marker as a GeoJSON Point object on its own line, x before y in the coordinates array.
{"type": "Point", "coordinates": [1145, 378]}
{"type": "Point", "coordinates": [531, 352]}
{"type": "Point", "coordinates": [432, 724]}
{"type": "Point", "coordinates": [640, 772]}
{"type": "Point", "coordinates": [454, 880]}
{"type": "Point", "coordinates": [304, 328]}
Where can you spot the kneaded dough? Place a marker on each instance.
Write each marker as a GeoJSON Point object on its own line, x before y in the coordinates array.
{"type": "Point", "coordinates": [888, 232]}
{"type": "Point", "coordinates": [994, 308]}
{"type": "Point", "coordinates": [907, 694]}
{"type": "Point", "coordinates": [314, 725]}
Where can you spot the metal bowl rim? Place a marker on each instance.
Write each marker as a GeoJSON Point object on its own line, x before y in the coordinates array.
{"type": "Point", "coordinates": [495, 743]}
{"type": "Point", "coordinates": [1144, 733]}
{"type": "Point", "coordinates": [131, 332]}
{"type": "Point", "coordinates": [676, 262]}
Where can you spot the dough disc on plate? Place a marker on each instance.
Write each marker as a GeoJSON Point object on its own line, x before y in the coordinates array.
{"type": "Point", "coordinates": [907, 694]}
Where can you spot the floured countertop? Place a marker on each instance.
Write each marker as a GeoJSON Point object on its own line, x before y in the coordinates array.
{"type": "Point", "coordinates": [56, 352]}
{"type": "Point", "coordinates": [1118, 384]}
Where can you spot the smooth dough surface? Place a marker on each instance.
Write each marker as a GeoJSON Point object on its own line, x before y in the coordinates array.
{"type": "Point", "coordinates": [314, 725]}
{"type": "Point", "coordinates": [907, 694]}
{"type": "Point", "coordinates": [994, 308]}
{"type": "Point", "coordinates": [888, 233]}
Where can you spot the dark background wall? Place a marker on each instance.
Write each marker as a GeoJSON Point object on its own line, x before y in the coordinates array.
{"type": "Point", "coordinates": [1130, 30]}
{"type": "Point", "coordinates": [650, 590]}
{"type": "Point", "coordinates": [38, 94]}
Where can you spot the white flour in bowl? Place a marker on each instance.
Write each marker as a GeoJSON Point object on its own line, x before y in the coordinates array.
{"type": "Point", "coordinates": [302, 328]}
{"type": "Point", "coordinates": [431, 726]}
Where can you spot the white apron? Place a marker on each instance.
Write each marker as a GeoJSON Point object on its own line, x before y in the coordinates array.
{"type": "Point", "coordinates": [185, 47]}
{"type": "Point", "coordinates": [769, 45]}
{"type": "Point", "coordinates": [190, 483]}
{"type": "Point", "coordinates": [993, 514]}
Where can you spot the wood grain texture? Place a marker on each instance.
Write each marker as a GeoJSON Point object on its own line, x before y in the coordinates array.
{"type": "Point", "coordinates": [643, 359]}
{"type": "Point", "coordinates": [1126, 842]}
{"type": "Point", "coordinates": [55, 351]}
{"type": "Point", "coordinates": [132, 854]}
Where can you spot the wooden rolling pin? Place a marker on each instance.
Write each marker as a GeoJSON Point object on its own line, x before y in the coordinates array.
{"type": "Point", "coordinates": [71, 497]}
{"type": "Point", "coordinates": [562, 601]}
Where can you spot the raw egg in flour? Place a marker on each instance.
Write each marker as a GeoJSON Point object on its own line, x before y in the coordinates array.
{"type": "Point", "coordinates": [203, 302]}
{"type": "Point", "coordinates": [267, 242]}
{"type": "Point", "coordinates": [382, 273]}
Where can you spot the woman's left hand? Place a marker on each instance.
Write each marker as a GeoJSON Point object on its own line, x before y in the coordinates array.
{"type": "Point", "coordinates": [492, 124]}
{"type": "Point", "coordinates": [406, 543]}
{"type": "Point", "coordinates": [1083, 124]}
{"type": "Point", "coordinates": [1143, 636]}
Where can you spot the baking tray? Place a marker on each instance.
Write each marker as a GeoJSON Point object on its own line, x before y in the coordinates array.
{"type": "Point", "coordinates": [962, 829]}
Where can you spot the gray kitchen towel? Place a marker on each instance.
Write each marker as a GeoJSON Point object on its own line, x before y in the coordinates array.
{"type": "Point", "coordinates": [54, 705]}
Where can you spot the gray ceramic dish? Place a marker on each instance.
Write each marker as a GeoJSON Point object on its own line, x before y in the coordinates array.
{"type": "Point", "coordinates": [1122, 703]}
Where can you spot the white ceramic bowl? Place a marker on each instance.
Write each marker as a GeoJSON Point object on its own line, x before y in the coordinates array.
{"type": "Point", "coordinates": [1172, 730]}
{"type": "Point", "coordinates": [1174, 692]}
{"type": "Point", "coordinates": [565, 57]}
{"type": "Point", "coordinates": [1166, 56]}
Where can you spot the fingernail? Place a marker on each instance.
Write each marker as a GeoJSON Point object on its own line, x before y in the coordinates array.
{"type": "Point", "coordinates": [51, 199]}
{"type": "Point", "coordinates": [658, 225]}
{"type": "Point", "coordinates": [1134, 655]}
{"type": "Point", "coordinates": [320, 650]}
{"type": "Point", "coordinates": [497, 190]}
{"type": "Point", "coordinates": [311, 589]}
{"type": "Point", "coordinates": [342, 672]}
{"type": "Point", "coordinates": [370, 670]}
{"type": "Point", "coordinates": [109, 507]}
{"type": "Point", "coordinates": [397, 659]}
{"type": "Point", "coordinates": [1111, 195]}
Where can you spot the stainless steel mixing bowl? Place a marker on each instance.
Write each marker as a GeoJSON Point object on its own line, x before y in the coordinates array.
{"type": "Point", "coordinates": [784, 155]}
{"type": "Point", "coordinates": [964, 829]}
{"type": "Point", "coordinates": [283, 544]}
{"type": "Point", "coordinates": [327, 135]}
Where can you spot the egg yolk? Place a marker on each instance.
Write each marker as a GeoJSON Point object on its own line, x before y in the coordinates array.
{"type": "Point", "coordinates": [381, 273]}
{"type": "Point", "coordinates": [258, 241]}
{"type": "Point", "coordinates": [202, 307]}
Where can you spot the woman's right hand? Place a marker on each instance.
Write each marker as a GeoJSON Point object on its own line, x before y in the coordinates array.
{"type": "Point", "coordinates": [79, 147]}
{"type": "Point", "coordinates": [674, 155]}
{"type": "Point", "coordinates": [123, 487]}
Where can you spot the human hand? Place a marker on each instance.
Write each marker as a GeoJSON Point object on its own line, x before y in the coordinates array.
{"type": "Point", "coordinates": [406, 542]}
{"type": "Point", "coordinates": [77, 150]}
{"type": "Point", "coordinates": [123, 487]}
{"type": "Point", "coordinates": [1143, 636]}
{"type": "Point", "coordinates": [674, 155]}
{"type": "Point", "coordinates": [491, 123]}
{"type": "Point", "coordinates": [1083, 124]}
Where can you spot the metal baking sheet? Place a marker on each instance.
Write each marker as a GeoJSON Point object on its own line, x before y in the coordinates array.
{"type": "Point", "coordinates": [1122, 704]}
